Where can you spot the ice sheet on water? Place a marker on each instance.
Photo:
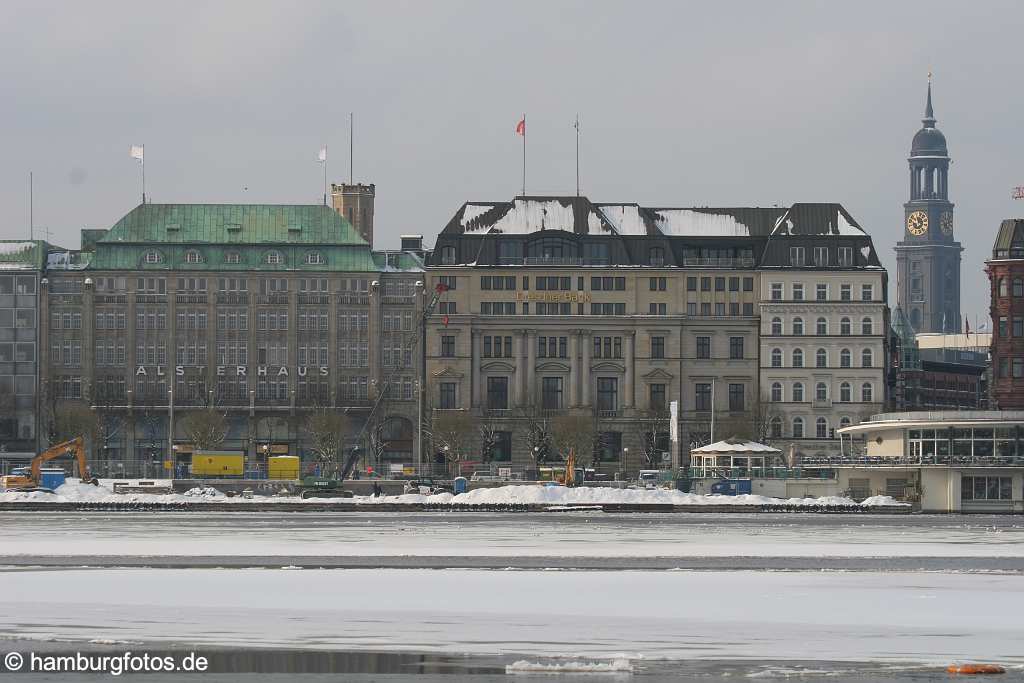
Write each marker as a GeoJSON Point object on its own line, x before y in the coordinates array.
{"type": "Point", "coordinates": [524, 666]}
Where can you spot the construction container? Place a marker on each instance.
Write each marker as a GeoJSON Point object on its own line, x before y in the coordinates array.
{"type": "Point", "coordinates": [217, 464]}
{"type": "Point", "coordinates": [283, 467]}
{"type": "Point", "coordinates": [51, 478]}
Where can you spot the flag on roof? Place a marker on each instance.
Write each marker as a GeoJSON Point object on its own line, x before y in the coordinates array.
{"type": "Point", "coordinates": [322, 156]}
{"type": "Point", "coordinates": [137, 152]}
{"type": "Point", "coordinates": [521, 127]}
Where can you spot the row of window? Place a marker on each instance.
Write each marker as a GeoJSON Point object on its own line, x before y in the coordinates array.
{"type": "Point", "coordinates": [867, 326]}
{"type": "Point", "coordinates": [1010, 327]}
{"type": "Point", "coordinates": [821, 358]}
{"type": "Point", "coordinates": [194, 256]}
{"type": "Point", "coordinates": [21, 284]}
{"type": "Point", "coordinates": [1004, 286]}
{"type": "Point", "coordinates": [821, 392]}
{"type": "Point", "coordinates": [604, 347]}
{"type": "Point", "coordinates": [21, 318]}
{"type": "Point", "coordinates": [1010, 367]}
{"type": "Point", "coordinates": [821, 292]}
{"type": "Point", "coordinates": [718, 284]}
{"type": "Point", "coordinates": [798, 428]}
{"type": "Point", "coordinates": [798, 256]}
{"type": "Point", "coordinates": [158, 285]}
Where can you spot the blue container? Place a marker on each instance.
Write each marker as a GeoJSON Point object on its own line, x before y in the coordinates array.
{"type": "Point", "coordinates": [460, 485]}
{"type": "Point", "coordinates": [51, 479]}
{"type": "Point", "coordinates": [732, 487]}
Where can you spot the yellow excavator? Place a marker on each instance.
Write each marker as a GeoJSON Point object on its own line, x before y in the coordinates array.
{"type": "Point", "coordinates": [28, 478]}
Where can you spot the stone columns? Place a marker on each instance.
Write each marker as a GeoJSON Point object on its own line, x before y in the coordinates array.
{"type": "Point", "coordinates": [476, 381]}
{"type": "Point", "coordinates": [574, 363]}
{"type": "Point", "coordinates": [517, 370]}
{"type": "Point", "coordinates": [630, 337]}
{"type": "Point", "coordinates": [522, 384]}
{"type": "Point", "coordinates": [588, 343]}
{"type": "Point", "coordinates": [531, 366]}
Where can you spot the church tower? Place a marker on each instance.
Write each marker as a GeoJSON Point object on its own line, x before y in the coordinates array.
{"type": "Point", "coordinates": [928, 258]}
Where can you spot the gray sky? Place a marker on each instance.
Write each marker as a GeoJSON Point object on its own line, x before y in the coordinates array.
{"type": "Point", "coordinates": [714, 103]}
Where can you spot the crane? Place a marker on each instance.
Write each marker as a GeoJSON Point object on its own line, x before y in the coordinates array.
{"type": "Point", "coordinates": [27, 479]}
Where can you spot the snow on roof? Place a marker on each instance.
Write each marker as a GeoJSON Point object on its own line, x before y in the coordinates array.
{"type": "Point", "coordinates": [531, 215]}
{"type": "Point", "coordinates": [472, 211]}
{"type": "Point", "coordinates": [625, 218]}
{"type": "Point", "coordinates": [8, 248]}
{"type": "Point", "coordinates": [847, 228]}
{"type": "Point", "coordinates": [735, 445]}
{"type": "Point", "coordinates": [690, 222]}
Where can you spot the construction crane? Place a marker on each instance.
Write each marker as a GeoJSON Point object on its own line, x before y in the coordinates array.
{"type": "Point", "coordinates": [327, 487]}
{"type": "Point", "coordinates": [28, 478]}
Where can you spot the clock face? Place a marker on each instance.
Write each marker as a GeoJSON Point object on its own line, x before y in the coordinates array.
{"type": "Point", "coordinates": [917, 223]}
{"type": "Point", "coordinates": [946, 222]}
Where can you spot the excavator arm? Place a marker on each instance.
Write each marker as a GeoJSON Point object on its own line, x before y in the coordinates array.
{"type": "Point", "coordinates": [75, 446]}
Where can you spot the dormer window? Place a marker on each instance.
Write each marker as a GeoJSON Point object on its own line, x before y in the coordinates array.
{"type": "Point", "coordinates": [314, 259]}
{"type": "Point", "coordinates": [656, 256]}
{"type": "Point", "coordinates": [154, 257]}
{"type": "Point", "coordinates": [273, 258]}
{"type": "Point", "coordinates": [193, 256]}
{"type": "Point", "coordinates": [447, 256]}
{"type": "Point", "coordinates": [232, 257]}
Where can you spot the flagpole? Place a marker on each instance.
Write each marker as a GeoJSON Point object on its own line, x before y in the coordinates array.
{"type": "Point", "coordinates": [351, 144]}
{"type": "Point", "coordinates": [325, 175]}
{"type": "Point", "coordinates": [577, 155]}
{"type": "Point", "coordinates": [31, 207]}
{"type": "Point", "coordinates": [524, 154]}
{"type": "Point", "coordinates": [143, 174]}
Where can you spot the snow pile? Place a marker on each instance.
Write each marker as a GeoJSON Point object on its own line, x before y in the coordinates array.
{"type": "Point", "coordinates": [203, 492]}
{"type": "Point", "coordinates": [875, 501]}
{"type": "Point", "coordinates": [615, 666]}
{"type": "Point", "coordinates": [583, 495]}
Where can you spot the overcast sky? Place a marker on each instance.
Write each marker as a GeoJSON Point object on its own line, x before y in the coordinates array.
{"type": "Point", "coordinates": [681, 104]}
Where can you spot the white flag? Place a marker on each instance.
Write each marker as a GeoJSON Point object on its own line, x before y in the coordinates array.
{"type": "Point", "coordinates": [322, 156]}
{"type": "Point", "coordinates": [137, 152]}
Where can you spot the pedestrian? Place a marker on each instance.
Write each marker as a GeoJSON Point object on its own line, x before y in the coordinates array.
{"type": "Point", "coordinates": [377, 491]}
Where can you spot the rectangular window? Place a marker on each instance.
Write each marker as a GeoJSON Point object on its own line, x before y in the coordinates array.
{"type": "Point", "coordinates": [796, 256]}
{"type": "Point", "coordinates": [447, 346]}
{"type": "Point", "coordinates": [846, 256]}
{"type": "Point", "coordinates": [702, 396]}
{"type": "Point", "coordinates": [985, 488]}
{"type": "Point", "coordinates": [657, 347]}
{"type": "Point", "coordinates": [866, 293]}
{"type": "Point", "coordinates": [551, 393]}
{"type": "Point", "coordinates": [748, 284]}
{"type": "Point", "coordinates": [736, 397]}
{"type": "Point", "coordinates": [821, 292]}
{"type": "Point", "coordinates": [658, 309]}
{"type": "Point", "coordinates": [447, 396]}
{"type": "Point", "coordinates": [1004, 326]}
{"type": "Point", "coordinates": [719, 284]}
{"type": "Point", "coordinates": [497, 393]}
{"type": "Point", "coordinates": [736, 348]}
{"type": "Point", "coordinates": [691, 308]}
{"type": "Point", "coordinates": [734, 284]}
{"type": "Point", "coordinates": [798, 291]}
{"type": "Point", "coordinates": [748, 309]}
{"type": "Point", "coordinates": [691, 284]}
{"type": "Point", "coordinates": [705, 284]}
{"type": "Point", "coordinates": [1018, 327]}
{"type": "Point", "coordinates": [705, 309]}
{"type": "Point", "coordinates": [607, 394]}
{"type": "Point", "coordinates": [703, 347]}
{"type": "Point", "coordinates": [821, 256]}
{"type": "Point", "coordinates": [734, 308]}
{"type": "Point", "coordinates": [844, 293]}
{"type": "Point", "coordinates": [720, 308]}
{"type": "Point", "coordinates": [657, 395]}
{"type": "Point", "coordinates": [776, 291]}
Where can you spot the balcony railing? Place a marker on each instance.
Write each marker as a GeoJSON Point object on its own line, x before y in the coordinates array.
{"type": "Point", "coordinates": [362, 299]}
{"type": "Point", "coordinates": [279, 298]}
{"type": "Point", "coordinates": [232, 297]}
{"type": "Point", "coordinates": [190, 298]}
{"type": "Point", "coordinates": [552, 261]}
{"type": "Point", "coordinates": [317, 299]}
{"type": "Point", "coordinates": [607, 413]}
{"type": "Point", "coordinates": [399, 300]}
{"type": "Point", "coordinates": [710, 262]}
{"type": "Point", "coordinates": [150, 298]}
{"type": "Point", "coordinates": [111, 299]}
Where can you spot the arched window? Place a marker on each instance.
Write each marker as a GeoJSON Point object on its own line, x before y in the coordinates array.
{"type": "Point", "coordinates": [154, 257]}
{"type": "Point", "coordinates": [193, 256]}
{"type": "Point", "coordinates": [232, 257]}
{"type": "Point", "coordinates": [1018, 287]}
{"type": "Point", "coordinates": [273, 258]}
{"type": "Point", "coordinates": [776, 326]}
{"type": "Point", "coordinates": [865, 325]}
{"type": "Point", "coordinates": [845, 392]}
{"type": "Point", "coordinates": [866, 359]}
{"type": "Point", "coordinates": [447, 255]}
{"type": "Point", "coordinates": [1004, 289]}
{"type": "Point", "coordinates": [798, 392]}
{"type": "Point", "coordinates": [798, 358]}
{"type": "Point", "coordinates": [775, 427]}
{"type": "Point", "coordinates": [314, 258]}
{"type": "Point", "coordinates": [798, 325]}
{"type": "Point", "coordinates": [821, 358]}
{"type": "Point", "coordinates": [776, 392]}
{"type": "Point", "coordinates": [866, 392]}
{"type": "Point", "coordinates": [845, 358]}
{"type": "Point", "coordinates": [821, 391]}
{"type": "Point", "coordinates": [776, 358]}
{"type": "Point", "coordinates": [798, 428]}
{"type": "Point", "coordinates": [656, 256]}
{"type": "Point", "coordinates": [821, 428]}
{"type": "Point", "coordinates": [821, 328]}
{"type": "Point", "coordinates": [844, 327]}
{"type": "Point", "coordinates": [844, 421]}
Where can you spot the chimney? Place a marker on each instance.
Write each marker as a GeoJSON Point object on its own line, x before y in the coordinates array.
{"type": "Point", "coordinates": [355, 203]}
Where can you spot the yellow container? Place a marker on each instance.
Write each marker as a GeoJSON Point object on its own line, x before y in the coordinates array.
{"type": "Point", "coordinates": [283, 467]}
{"type": "Point", "coordinates": [213, 464]}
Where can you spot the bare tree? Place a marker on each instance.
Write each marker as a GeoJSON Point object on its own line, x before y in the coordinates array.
{"type": "Point", "coordinates": [206, 428]}
{"type": "Point", "coordinates": [452, 435]}
{"type": "Point", "coordinates": [488, 434]}
{"type": "Point", "coordinates": [538, 433]}
{"type": "Point", "coordinates": [653, 428]}
{"type": "Point", "coordinates": [377, 442]}
{"type": "Point", "coordinates": [326, 429]}
{"type": "Point", "coordinates": [578, 433]}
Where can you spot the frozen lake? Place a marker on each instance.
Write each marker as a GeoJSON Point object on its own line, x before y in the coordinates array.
{"type": "Point", "coordinates": [576, 534]}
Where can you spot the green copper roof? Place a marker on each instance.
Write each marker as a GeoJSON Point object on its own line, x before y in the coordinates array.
{"type": "Point", "coordinates": [233, 237]}
{"type": "Point", "coordinates": [234, 223]}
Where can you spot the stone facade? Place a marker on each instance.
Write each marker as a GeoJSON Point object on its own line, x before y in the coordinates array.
{"type": "Point", "coordinates": [1006, 277]}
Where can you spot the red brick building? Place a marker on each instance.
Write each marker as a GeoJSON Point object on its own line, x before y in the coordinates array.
{"type": "Point", "coordinates": [1006, 276]}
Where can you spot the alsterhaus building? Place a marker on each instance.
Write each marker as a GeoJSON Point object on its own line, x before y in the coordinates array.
{"type": "Point", "coordinates": [560, 306]}
{"type": "Point", "coordinates": [265, 312]}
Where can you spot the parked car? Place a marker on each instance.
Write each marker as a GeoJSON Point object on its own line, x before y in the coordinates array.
{"type": "Point", "coordinates": [427, 486]}
{"type": "Point", "coordinates": [648, 479]}
{"type": "Point", "coordinates": [485, 476]}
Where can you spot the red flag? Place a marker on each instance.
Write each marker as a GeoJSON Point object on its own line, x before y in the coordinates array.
{"type": "Point", "coordinates": [521, 127]}
{"type": "Point", "coordinates": [446, 321]}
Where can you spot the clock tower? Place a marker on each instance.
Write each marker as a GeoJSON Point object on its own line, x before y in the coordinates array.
{"type": "Point", "coordinates": [928, 258]}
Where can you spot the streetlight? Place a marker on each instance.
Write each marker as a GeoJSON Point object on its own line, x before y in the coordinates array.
{"type": "Point", "coordinates": [625, 456]}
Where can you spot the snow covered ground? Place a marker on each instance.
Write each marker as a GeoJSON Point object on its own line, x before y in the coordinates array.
{"type": "Point", "coordinates": [636, 616]}
{"type": "Point", "coordinates": [74, 491]}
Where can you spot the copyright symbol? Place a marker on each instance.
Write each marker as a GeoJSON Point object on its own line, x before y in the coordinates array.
{"type": "Point", "coordinates": [13, 661]}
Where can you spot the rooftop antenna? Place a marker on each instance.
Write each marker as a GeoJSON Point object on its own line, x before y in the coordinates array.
{"type": "Point", "coordinates": [31, 209]}
{"type": "Point", "coordinates": [576, 125]}
{"type": "Point", "coordinates": [351, 145]}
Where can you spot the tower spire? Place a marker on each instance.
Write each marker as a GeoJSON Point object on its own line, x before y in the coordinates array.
{"type": "Point", "coordinates": [929, 114]}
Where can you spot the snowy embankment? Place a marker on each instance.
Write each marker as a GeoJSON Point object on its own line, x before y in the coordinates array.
{"type": "Point", "coordinates": [75, 492]}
